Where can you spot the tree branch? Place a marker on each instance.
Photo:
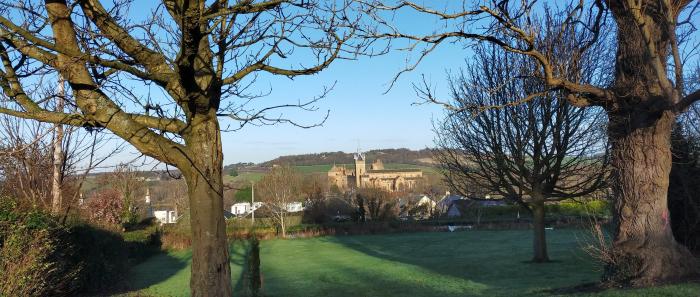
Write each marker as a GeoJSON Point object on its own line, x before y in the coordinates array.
{"type": "Point", "coordinates": [261, 66]}
{"type": "Point", "coordinates": [687, 101]}
{"type": "Point", "coordinates": [585, 94]}
{"type": "Point", "coordinates": [154, 62]}
{"type": "Point", "coordinates": [242, 7]}
{"type": "Point", "coordinates": [159, 123]}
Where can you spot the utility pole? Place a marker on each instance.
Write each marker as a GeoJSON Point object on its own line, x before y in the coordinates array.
{"type": "Point", "coordinates": [252, 202]}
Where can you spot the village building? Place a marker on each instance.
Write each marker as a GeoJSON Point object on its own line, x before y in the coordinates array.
{"type": "Point", "coordinates": [245, 208]}
{"type": "Point", "coordinates": [166, 216]}
{"type": "Point", "coordinates": [377, 176]}
{"type": "Point", "coordinates": [164, 213]}
{"type": "Point", "coordinates": [417, 206]}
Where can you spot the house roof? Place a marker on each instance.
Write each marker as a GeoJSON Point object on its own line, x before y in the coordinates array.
{"type": "Point", "coordinates": [447, 200]}
{"type": "Point", "coordinates": [491, 202]}
{"type": "Point", "coordinates": [462, 205]}
{"type": "Point", "coordinates": [414, 199]}
{"type": "Point", "coordinates": [228, 215]}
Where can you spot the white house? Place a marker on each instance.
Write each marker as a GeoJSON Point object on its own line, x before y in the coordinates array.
{"type": "Point", "coordinates": [425, 201]}
{"type": "Point", "coordinates": [244, 208]}
{"type": "Point", "coordinates": [166, 216]}
{"type": "Point", "coordinates": [295, 207]}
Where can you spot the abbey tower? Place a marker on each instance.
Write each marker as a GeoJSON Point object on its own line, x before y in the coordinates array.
{"type": "Point", "coordinates": [360, 168]}
{"type": "Point", "coordinates": [376, 176]}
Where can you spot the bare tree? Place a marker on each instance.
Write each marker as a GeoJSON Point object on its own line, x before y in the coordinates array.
{"type": "Point", "coordinates": [376, 204]}
{"type": "Point", "coordinates": [646, 94]}
{"type": "Point", "coordinates": [25, 163]}
{"type": "Point", "coordinates": [277, 190]}
{"type": "Point", "coordinates": [131, 186]}
{"type": "Point", "coordinates": [201, 58]}
{"type": "Point", "coordinates": [28, 169]}
{"type": "Point", "coordinates": [171, 193]}
{"type": "Point", "coordinates": [314, 188]}
{"type": "Point", "coordinates": [540, 151]}
{"type": "Point", "coordinates": [432, 185]}
{"type": "Point", "coordinates": [105, 208]}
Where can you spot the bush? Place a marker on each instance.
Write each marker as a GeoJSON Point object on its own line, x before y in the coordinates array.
{"type": "Point", "coordinates": [106, 208]}
{"type": "Point", "coordinates": [37, 257]}
{"type": "Point", "coordinates": [501, 212]}
{"type": "Point", "coordinates": [104, 257]}
{"type": "Point", "coordinates": [596, 208]}
{"type": "Point", "coordinates": [174, 240]}
{"type": "Point", "coordinates": [177, 236]}
{"type": "Point", "coordinates": [143, 243]}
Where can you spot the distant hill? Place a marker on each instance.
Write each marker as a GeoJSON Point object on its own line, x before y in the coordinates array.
{"type": "Point", "coordinates": [399, 156]}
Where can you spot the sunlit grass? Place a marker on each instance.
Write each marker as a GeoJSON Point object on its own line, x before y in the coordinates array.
{"type": "Point", "coordinates": [472, 263]}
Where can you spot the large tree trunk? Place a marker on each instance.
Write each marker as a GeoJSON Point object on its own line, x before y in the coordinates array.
{"type": "Point", "coordinates": [639, 130]}
{"type": "Point", "coordinates": [539, 240]}
{"type": "Point", "coordinates": [211, 275]}
{"type": "Point", "coordinates": [644, 247]}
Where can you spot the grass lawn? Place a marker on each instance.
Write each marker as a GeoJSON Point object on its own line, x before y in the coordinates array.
{"type": "Point", "coordinates": [471, 263]}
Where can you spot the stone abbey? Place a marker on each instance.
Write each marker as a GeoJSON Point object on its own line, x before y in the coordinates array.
{"type": "Point", "coordinates": [387, 179]}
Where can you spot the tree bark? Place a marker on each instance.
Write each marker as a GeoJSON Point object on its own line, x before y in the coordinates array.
{"type": "Point", "coordinates": [284, 229]}
{"type": "Point", "coordinates": [57, 177]}
{"type": "Point", "coordinates": [539, 240]}
{"type": "Point", "coordinates": [211, 275]}
{"type": "Point", "coordinates": [645, 249]}
{"type": "Point", "coordinates": [640, 123]}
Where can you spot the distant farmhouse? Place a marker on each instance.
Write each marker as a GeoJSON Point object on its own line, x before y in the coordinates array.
{"type": "Point", "coordinates": [388, 179]}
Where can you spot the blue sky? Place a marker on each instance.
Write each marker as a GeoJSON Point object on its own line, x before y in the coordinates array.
{"type": "Point", "coordinates": [360, 112]}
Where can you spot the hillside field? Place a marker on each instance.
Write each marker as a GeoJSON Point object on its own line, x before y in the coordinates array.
{"type": "Point", "coordinates": [309, 169]}
{"type": "Point", "coordinates": [243, 177]}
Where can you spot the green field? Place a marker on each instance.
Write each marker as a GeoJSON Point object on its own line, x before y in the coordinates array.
{"type": "Point", "coordinates": [312, 169]}
{"type": "Point", "coordinates": [243, 177]}
{"type": "Point", "coordinates": [471, 263]}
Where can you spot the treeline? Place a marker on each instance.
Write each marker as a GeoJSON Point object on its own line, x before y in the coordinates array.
{"type": "Point", "coordinates": [169, 174]}
{"type": "Point", "coordinates": [228, 168]}
{"type": "Point", "coordinates": [400, 155]}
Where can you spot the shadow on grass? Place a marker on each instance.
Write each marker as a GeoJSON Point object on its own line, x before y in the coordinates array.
{"type": "Point", "coordinates": [497, 259]}
{"type": "Point", "coordinates": [238, 256]}
{"type": "Point", "coordinates": [168, 273]}
{"type": "Point", "coordinates": [483, 263]}
{"type": "Point", "coordinates": [158, 269]}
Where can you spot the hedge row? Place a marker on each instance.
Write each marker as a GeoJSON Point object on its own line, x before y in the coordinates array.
{"type": "Point", "coordinates": [40, 257]}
